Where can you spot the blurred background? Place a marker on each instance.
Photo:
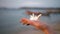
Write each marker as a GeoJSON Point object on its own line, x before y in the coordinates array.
{"type": "Point", "coordinates": [11, 11]}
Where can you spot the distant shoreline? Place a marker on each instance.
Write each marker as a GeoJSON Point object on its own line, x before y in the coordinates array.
{"type": "Point", "coordinates": [32, 8]}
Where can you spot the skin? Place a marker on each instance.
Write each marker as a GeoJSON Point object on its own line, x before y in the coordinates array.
{"type": "Point", "coordinates": [37, 24]}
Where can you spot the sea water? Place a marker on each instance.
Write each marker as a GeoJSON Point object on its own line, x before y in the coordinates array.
{"type": "Point", "coordinates": [9, 22]}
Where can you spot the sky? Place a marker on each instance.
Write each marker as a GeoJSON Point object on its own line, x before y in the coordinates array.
{"type": "Point", "coordinates": [29, 3]}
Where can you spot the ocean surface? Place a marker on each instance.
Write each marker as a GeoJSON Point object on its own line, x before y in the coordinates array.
{"type": "Point", "coordinates": [9, 22]}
